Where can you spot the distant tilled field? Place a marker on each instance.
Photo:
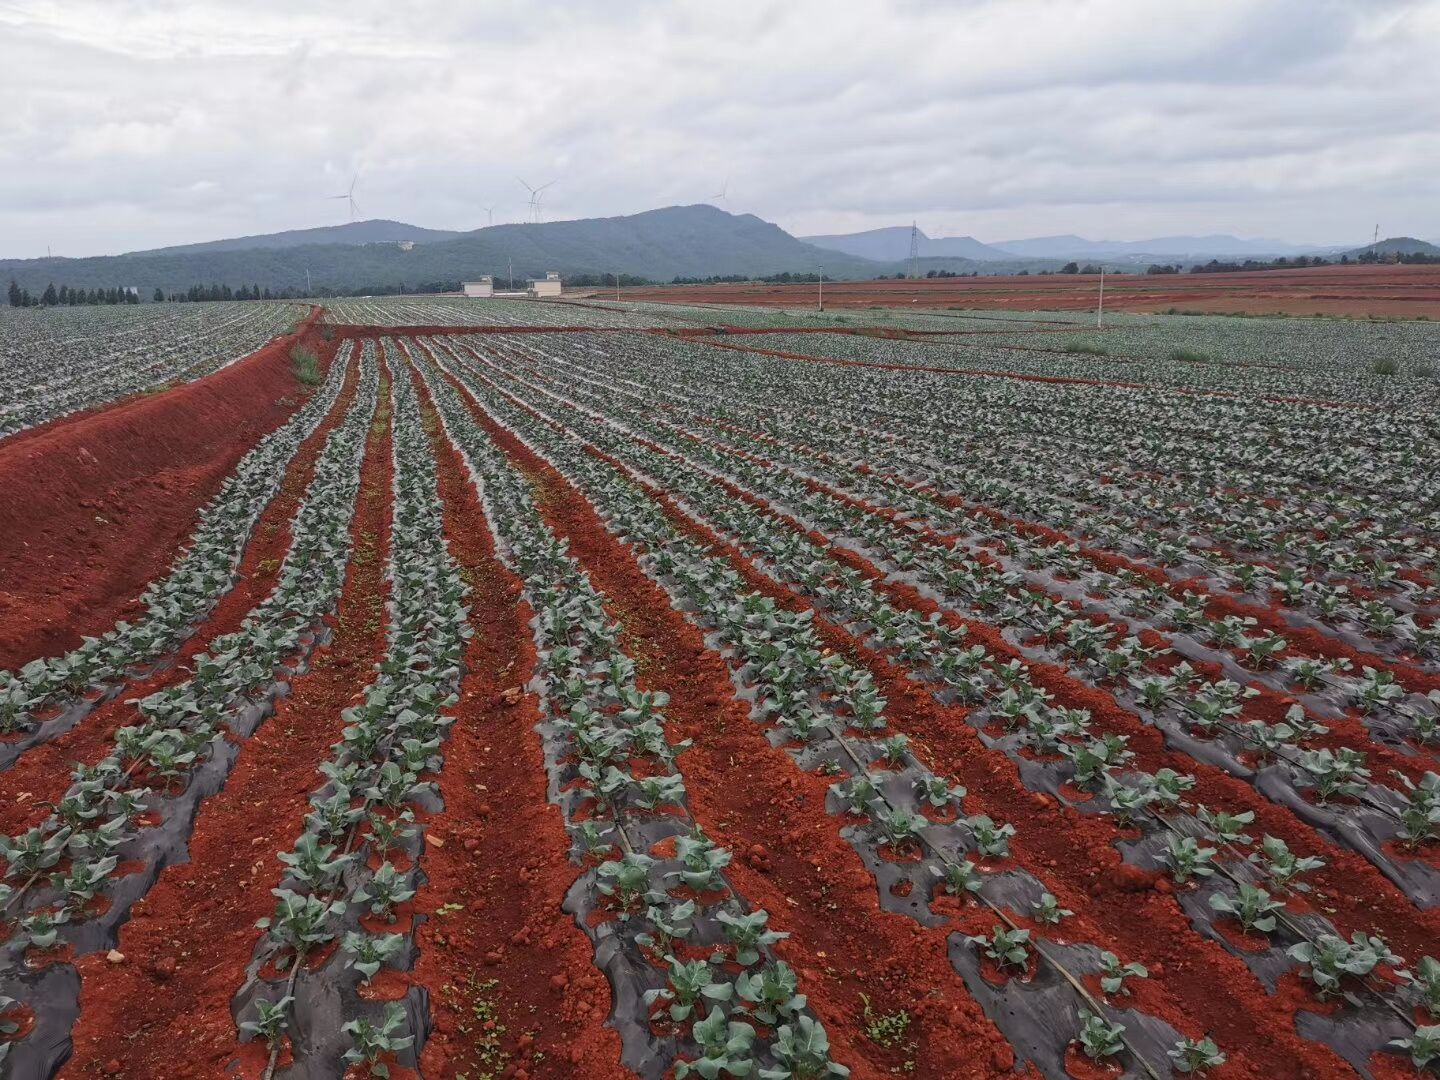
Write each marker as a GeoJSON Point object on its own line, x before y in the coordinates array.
{"type": "Point", "coordinates": [1382, 291]}
{"type": "Point", "coordinates": [582, 689]}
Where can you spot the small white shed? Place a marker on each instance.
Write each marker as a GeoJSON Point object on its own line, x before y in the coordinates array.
{"type": "Point", "coordinates": [549, 285]}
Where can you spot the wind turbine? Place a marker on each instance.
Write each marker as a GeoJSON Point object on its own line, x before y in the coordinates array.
{"type": "Point", "coordinates": [489, 214]}
{"type": "Point", "coordinates": [349, 196]}
{"type": "Point", "coordinates": [720, 196]}
{"type": "Point", "coordinates": [536, 193]}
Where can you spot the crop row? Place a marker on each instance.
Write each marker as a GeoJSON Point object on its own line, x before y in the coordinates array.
{"type": "Point", "coordinates": [1260, 456]}
{"type": "Point", "coordinates": [1207, 709]}
{"type": "Point", "coordinates": [175, 605]}
{"type": "Point", "coordinates": [828, 714]}
{"type": "Point", "coordinates": [346, 876]}
{"type": "Point", "coordinates": [1083, 634]}
{"type": "Point", "coordinates": [1164, 791]}
{"type": "Point", "coordinates": [61, 360]}
{"type": "Point", "coordinates": [72, 877]}
{"type": "Point", "coordinates": [675, 936]}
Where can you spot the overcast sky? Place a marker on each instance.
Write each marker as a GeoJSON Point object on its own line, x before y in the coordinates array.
{"type": "Point", "coordinates": [128, 124]}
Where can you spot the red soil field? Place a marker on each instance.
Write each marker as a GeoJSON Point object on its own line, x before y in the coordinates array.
{"type": "Point", "coordinates": [1404, 292]}
{"type": "Point", "coordinates": [513, 987]}
{"type": "Point", "coordinates": [94, 506]}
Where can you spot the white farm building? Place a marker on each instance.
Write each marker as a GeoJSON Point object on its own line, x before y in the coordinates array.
{"type": "Point", "coordinates": [549, 285]}
{"type": "Point", "coordinates": [484, 287]}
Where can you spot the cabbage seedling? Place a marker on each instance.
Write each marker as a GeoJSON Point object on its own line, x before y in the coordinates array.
{"type": "Point", "coordinates": [961, 878]}
{"type": "Point", "coordinates": [1252, 907]}
{"type": "Point", "coordinates": [370, 951]}
{"type": "Point", "coordinates": [1330, 958]}
{"type": "Point", "coordinates": [386, 888]}
{"type": "Point", "coordinates": [724, 1047]}
{"type": "Point", "coordinates": [803, 1052]}
{"type": "Point", "coordinates": [992, 841]}
{"type": "Point", "coordinates": [370, 1040]}
{"type": "Point", "coordinates": [1188, 859]}
{"type": "Point", "coordinates": [1424, 1045]}
{"type": "Point", "coordinates": [1008, 948]}
{"type": "Point", "coordinates": [1048, 910]}
{"type": "Point", "coordinates": [1114, 973]}
{"type": "Point", "coordinates": [748, 934]}
{"type": "Point", "coordinates": [676, 924]}
{"type": "Point", "coordinates": [42, 928]}
{"type": "Point", "coordinates": [626, 879]}
{"type": "Point", "coordinates": [935, 791]}
{"type": "Point", "coordinates": [771, 992]}
{"type": "Point", "coordinates": [1426, 979]}
{"type": "Point", "coordinates": [271, 1020]}
{"type": "Point", "coordinates": [1227, 827]}
{"type": "Point", "coordinates": [1282, 866]}
{"type": "Point", "coordinates": [1196, 1055]}
{"type": "Point", "coordinates": [689, 982]}
{"type": "Point", "coordinates": [1099, 1039]}
{"type": "Point", "coordinates": [703, 860]}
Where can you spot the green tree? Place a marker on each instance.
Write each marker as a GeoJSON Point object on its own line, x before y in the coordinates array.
{"type": "Point", "coordinates": [159, 296]}
{"type": "Point", "coordinates": [14, 293]}
{"type": "Point", "coordinates": [1070, 268]}
{"type": "Point", "coordinates": [50, 297]}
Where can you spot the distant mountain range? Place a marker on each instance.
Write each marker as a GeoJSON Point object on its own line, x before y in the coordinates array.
{"type": "Point", "coordinates": [684, 241]}
{"type": "Point", "coordinates": [1183, 247]}
{"type": "Point", "coordinates": [677, 241]}
{"type": "Point", "coordinates": [893, 244]}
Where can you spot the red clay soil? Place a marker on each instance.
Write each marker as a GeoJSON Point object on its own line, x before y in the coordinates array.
{"type": "Point", "coordinates": [165, 1011]}
{"type": "Point", "coordinates": [94, 507]}
{"type": "Point", "coordinates": [1133, 913]}
{"type": "Point", "coordinates": [512, 981]}
{"type": "Point", "coordinates": [790, 858]}
{"type": "Point", "coordinates": [1389, 291]}
{"type": "Point", "coordinates": [43, 772]}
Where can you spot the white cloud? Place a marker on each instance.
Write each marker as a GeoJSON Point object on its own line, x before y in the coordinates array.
{"type": "Point", "coordinates": [133, 124]}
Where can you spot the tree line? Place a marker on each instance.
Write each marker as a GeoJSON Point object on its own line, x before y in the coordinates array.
{"type": "Point", "coordinates": [65, 295]}
{"type": "Point", "coordinates": [1365, 258]}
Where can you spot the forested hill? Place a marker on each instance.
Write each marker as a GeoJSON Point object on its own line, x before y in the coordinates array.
{"type": "Point", "coordinates": [689, 241]}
